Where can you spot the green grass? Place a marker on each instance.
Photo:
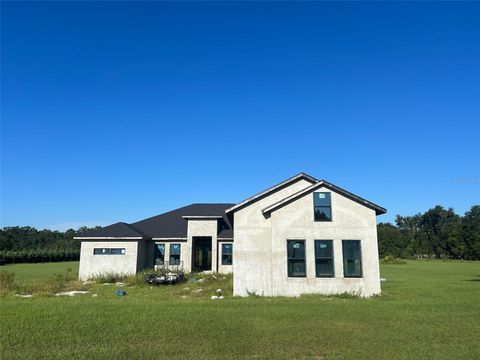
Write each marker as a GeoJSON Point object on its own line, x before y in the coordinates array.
{"type": "Point", "coordinates": [429, 310]}
{"type": "Point", "coordinates": [30, 273]}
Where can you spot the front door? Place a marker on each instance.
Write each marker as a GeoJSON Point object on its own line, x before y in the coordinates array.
{"type": "Point", "coordinates": [202, 253]}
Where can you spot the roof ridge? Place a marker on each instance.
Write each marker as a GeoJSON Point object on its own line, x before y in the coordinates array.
{"type": "Point", "coordinates": [378, 209]}
{"type": "Point", "coordinates": [273, 188]}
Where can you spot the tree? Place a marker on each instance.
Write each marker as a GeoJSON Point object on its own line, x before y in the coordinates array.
{"type": "Point", "coordinates": [471, 233]}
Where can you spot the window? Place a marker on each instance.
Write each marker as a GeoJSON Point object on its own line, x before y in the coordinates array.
{"type": "Point", "coordinates": [352, 258]}
{"type": "Point", "coordinates": [108, 251]}
{"type": "Point", "coordinates": [159, 252]}
{"type": "Point", "coordinates": [322, 206]}
{"type": "Point", "coordinates": [174, 254]}
{"type": "Point", "coordinates": [117, 251]}
{"type": "Point", "coordinates": [227, 254]}
{"type": "Point", "coordinates": [324, 258]}
{"type": "Point", "coordinates": [101, 251]}
{"type": "Point", "coordinates": [296, 258]}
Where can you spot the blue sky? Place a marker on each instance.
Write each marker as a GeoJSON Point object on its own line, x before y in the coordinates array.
{"type": "Point", "coordinates": [116, 111]}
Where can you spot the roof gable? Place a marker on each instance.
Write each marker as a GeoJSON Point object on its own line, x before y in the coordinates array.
{"type": "Point", "coordinates": [322, 183]}
{"type": "Point", "coordinates": [275, 188]}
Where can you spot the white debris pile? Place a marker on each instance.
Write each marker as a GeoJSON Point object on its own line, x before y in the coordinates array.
{"type": "Point", "coordinates": [26, 296]}
{"type": "Point", "coordinates": [219, 295]}
{"type": "Point", "coordinates": [72, 293]}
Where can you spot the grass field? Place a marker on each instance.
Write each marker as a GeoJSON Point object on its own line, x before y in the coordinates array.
{"type": "Point", "coordinates": [30, 273]}
{"type": "Point", "coordinates": [429, 310]}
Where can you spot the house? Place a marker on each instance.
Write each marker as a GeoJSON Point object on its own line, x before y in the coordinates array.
{"type": "Point", "coordinates": [302, 235]}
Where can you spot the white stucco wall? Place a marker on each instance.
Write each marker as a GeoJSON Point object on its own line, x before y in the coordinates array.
{"type": "Point", "coordinates": [268, 247]}
{"type": "Point", "coordinates": [91, 265]}
{"type": "Point", "coordinates": [252, 251]}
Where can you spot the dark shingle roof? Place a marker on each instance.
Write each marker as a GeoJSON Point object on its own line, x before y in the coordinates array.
{"type": "Point", "coordinates": [119, 229]}
{"type": "Point", "coordinates": [168, 225]}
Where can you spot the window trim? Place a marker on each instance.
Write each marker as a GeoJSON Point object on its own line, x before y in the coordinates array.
{"type": "Point", "coordinates": [231, 254]}
{"type": "Point", "coordinates": [304, 258]}
{"type": "Point", "coordinates": [323, 257]}
{"type": "Point", "coordinates": [361, 259]}
{"type": "Point", "coordinates": [322, 206]}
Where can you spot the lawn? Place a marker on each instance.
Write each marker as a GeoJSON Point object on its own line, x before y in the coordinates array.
{"type": "Point", "coordinates": [429, 310]}
{"type": "Point", "coordinates": [30, 273]}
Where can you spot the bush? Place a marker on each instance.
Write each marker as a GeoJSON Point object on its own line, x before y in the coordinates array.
{"type": "Point", "coordinates": [6, 281]}
{"type": "Point", "coordinates": [109, 277]}
{"type": "Point", "coordinates": [51, 286]}
{"type": "Point", "coordinates": [392, 260]}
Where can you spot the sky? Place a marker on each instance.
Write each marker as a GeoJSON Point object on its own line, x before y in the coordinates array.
{"type": "Point", "coordinates": [117, 111]}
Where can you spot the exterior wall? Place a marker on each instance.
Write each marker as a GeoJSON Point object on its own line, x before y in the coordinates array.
{"type": "Point", "coordinates": [260, 257]}
{"type": "Point", "coordinates": [91, 265]}
{"type": "Point", "coordinates": [252, 251]}
{"type": "Point", "coordinates": [201, 227]}
{"type": "Point", "coordinates": [225, 269]}
{"type": "Point", "coordinates": [350, 221]}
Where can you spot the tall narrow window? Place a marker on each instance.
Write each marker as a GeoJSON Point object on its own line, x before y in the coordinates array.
{"type": "Point", "coordinates": [227, 251]}
{"type": "Point", "coordinates": [296, 258]}
{"type": "Point", "coordinates": [352, 258]}
{"type": "Point", "coordinates": [174, 254]}
{"type": "Point", "coordinates": [324, 258]}
{"type": "Point", "coordinates": [159, 254]}
{"type": "Point", "coordinates": [322, 206]}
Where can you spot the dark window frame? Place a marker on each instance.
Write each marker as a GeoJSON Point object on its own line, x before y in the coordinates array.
{"type": "Point", "coordinates": [157, 251]}
{"type": "Point", "coordinates": [227, 258]}
{"type": "Point", "coordinates": [346, 274]}
{"type": "Point", "coordinates": [329, 207]}
{"type": "Point", "coordinates": [296, 259]}
{"type": "Point", "coordinates": [317, 257]}
{"type": "Point", "coordinates": [122, 251]}
{"type": "Point", "coordinates": [176, 261]}
{"type": "Point", "coordinates": [108, 251]}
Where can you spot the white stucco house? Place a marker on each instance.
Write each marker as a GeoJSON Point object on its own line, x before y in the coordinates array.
{"type": "Point", "coordinates": [300, 236]}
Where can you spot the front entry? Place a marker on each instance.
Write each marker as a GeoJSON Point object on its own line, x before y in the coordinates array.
{"type": "Point", "coordinates": [202, 253]}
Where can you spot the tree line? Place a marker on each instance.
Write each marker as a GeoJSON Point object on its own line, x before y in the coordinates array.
{"type": "Point", "coordinates": [437, 233]}
{"type": "Point", "coordinates": [27, 244]}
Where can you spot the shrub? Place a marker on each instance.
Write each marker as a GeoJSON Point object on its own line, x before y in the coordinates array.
{"type": "Point", "coordinates": [6, 281]}
{"type": "Point", "coordinates": [51, 286]}
{"type": "Point", "coordinates": [392, 260]}
{"type": "Point", "coordinates": [109, 277]}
